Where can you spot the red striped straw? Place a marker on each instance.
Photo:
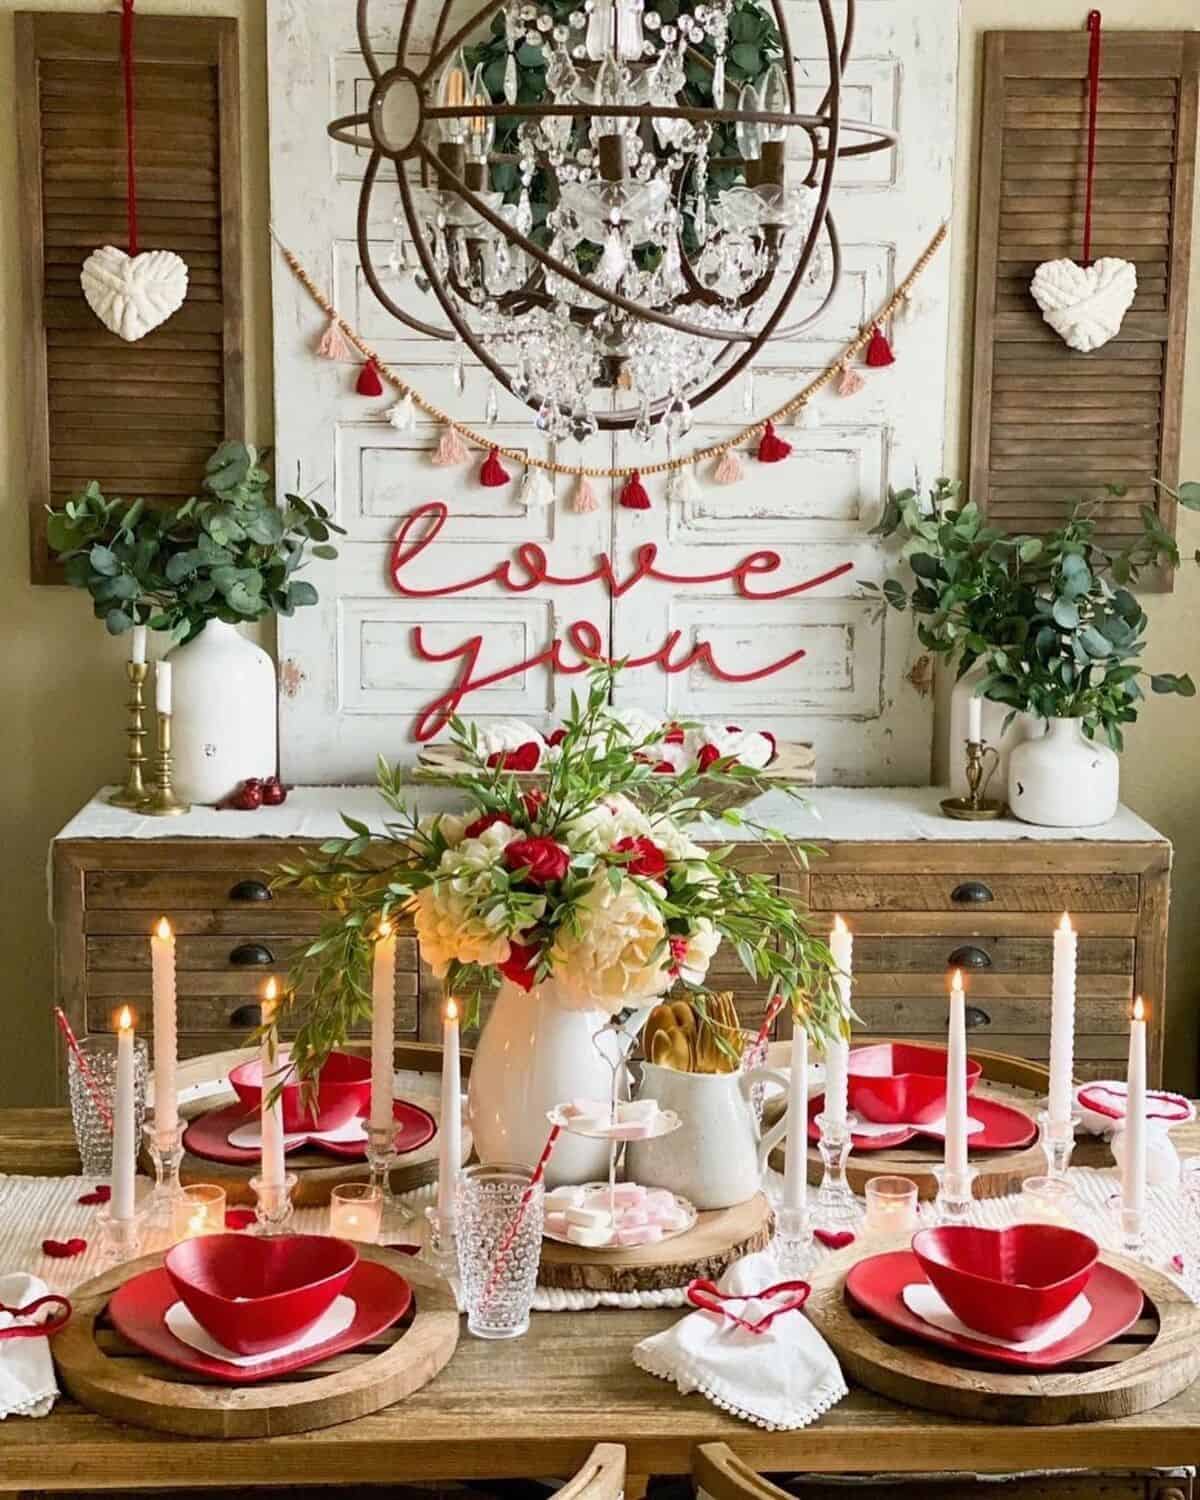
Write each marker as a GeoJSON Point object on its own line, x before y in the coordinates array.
{"type": "Point", "coordinates": [515, 1227]}
{"type": "Point", "coordinates": [81, 1062]}
{"type": "Point", "coordinates": [773, 1010]}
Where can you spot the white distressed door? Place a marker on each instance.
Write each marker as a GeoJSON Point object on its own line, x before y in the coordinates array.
{"type": "Point", "coordinates": [358, 670]}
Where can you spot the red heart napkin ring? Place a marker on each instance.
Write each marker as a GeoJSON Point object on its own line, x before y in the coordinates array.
{"type": "Point", "coordinates": [42, 1330]}
{"type": "Point", "coordinates": [707, 1296]}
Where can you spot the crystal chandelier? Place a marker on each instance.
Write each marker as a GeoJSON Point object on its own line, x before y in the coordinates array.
{"type": "Point", "coordinates": [614, 205]}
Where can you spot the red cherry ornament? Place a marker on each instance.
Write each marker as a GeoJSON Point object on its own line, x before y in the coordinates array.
{"type": "Point", "coordinates": [249, 796]}
{"type": "Point", "coordinates": [274, 793]}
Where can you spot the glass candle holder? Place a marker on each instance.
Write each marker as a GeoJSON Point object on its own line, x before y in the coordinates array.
{"type": "Point", "coordinates": [499, 1244]}
{"type": "Point", "coordinates": [891, 1205]}
{"type": "Point", "coordinates": [91, 1084]}
{"type": "Point", "coordinates": [356, 1212]}
{"type": "Point", "coordinates": [199, 1209]}
{"type": "Point", "coordinates": [1048, 1200]}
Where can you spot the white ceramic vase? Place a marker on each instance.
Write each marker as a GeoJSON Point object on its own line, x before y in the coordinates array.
{"type": "Point", "coordinates": [533, 1054]}
{"type": "Point", "coordinates": [1063, 780]}
{"type": "Point", "coordinates": [225, 703]}
{"type": "Point", "coordinates": [1022, 728]}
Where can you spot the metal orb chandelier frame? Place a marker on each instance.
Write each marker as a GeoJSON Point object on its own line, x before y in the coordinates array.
{"type": "Point", "coordinates": [407, 109]}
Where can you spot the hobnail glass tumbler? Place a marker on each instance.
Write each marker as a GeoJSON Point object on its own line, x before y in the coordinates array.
{"type": "Point", "coordinates": [91, 1086]}
{"type": "Point", "coordinates": [499, 1245]}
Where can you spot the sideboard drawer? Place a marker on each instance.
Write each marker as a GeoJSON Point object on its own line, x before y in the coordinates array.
{"type": "Point", "coordinates": [245, 888]}
{"type": "Point", "coordinates": [265, 952]}
{"type": "Point", "coordinates": [973, 889]}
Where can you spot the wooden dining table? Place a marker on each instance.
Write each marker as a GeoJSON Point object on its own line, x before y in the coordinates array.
{"type": "Point", "coordinates": [535, 1407]}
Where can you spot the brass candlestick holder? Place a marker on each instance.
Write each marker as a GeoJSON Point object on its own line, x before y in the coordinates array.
{"type": "Point", "coordinates": [976, 806]}
{"type": "Point", "coordinates": [162, 801]}
{"type": "Point", "coordinates": [134, 793]}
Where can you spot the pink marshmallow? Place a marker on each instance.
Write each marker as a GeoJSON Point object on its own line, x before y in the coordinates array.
{"type": "Point", "coordinates": [556, 1223]}
{"type": "Point", "coordinates": [628, 1194]}
{"type": "Point", "coordinates": [641, 1234]}
{"type": "Point", "coordinates": [670, 1222]}
{"type": "Point", "coordinates": [599, 1107]}
{"type": "Point", "coordinates": [658, 1200]}
{"type": "Point", "coordinates": [631, 1130]}
{"type": "Point", "coordinates": [631, 1218]}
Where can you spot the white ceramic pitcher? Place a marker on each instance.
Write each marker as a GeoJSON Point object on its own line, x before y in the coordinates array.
{"type": "Point", "coordinates": [718, 1155]}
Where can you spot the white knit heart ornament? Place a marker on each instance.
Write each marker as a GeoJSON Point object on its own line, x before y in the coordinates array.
{"type": "Point", "coordinates": [131, 295]}
{"type": "Point", "coordinates": [1085, 305]}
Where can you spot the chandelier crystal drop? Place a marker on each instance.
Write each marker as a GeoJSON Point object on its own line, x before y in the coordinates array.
{"type": "Point", "coordinates": [614, 204]}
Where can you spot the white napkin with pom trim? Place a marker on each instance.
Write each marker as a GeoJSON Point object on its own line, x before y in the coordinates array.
{"type": "Point", "coordinates": [27, 1384]}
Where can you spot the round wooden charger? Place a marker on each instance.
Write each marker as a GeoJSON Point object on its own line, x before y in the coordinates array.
{"type": "Point", "coordinates": [1156, 1359]}
{"type": "Point", "coordinates": [107, 1375]}
{"type": "Point", "coordinates": [718, 1239]}
{"type": "Point", "coordinates": [316, 1173]}
{"type": "Point", "coordinates": [1011, 1080]}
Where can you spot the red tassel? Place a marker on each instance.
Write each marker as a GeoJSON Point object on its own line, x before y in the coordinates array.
{"type": "Point", "coordinates": [493, 474]}
{"type": "Point", "coordinates": [772, 448]}
{"type": "Point", "coordinates": [369, 383]}
{"type": "Point", "coordinates": [879, 351]}
{"type": "Point", "coordinates": [633, 494]}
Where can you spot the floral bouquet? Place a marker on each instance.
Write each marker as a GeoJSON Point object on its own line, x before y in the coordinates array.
{"type": "Point", "coordinates": [572, 882]}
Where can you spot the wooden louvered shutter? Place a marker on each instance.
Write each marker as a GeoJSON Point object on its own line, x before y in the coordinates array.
{"type": "Point", "coordinates": [140, 418]}
{"type": "Point", "coordinates": [1050, 424]}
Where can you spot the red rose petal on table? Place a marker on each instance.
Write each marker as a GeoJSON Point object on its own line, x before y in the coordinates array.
{"type": "Point", "coordinates": [1177, 1264]}
{"type": "Point", "coordinates": [63, 1249]}
{"type": "Point", "coordinates": [834, 1239]}
{"type": "Point", "coordinates": [99, 1194]}
{"type": "Point", "coordinates": [239, 1218]}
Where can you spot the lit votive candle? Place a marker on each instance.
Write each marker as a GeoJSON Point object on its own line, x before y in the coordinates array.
{"type": "Point", "coordinates": [356, 1212]}
{"type": "Point", "coordinates": [891, 1205]}
{"type": "Point", "coordinates": [200, 1210]}
{"type": "Point", "coordinates": [1047, 1200]}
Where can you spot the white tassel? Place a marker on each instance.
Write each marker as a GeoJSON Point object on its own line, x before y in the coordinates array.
{"type": "Point", "coordinates": [683, 486]}
{"type": "Point", "coordinates": [403, 415]}
{"type": "Point", "coordinates": [536, 489]}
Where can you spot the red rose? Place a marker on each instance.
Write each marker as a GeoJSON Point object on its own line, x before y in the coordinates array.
{"type": "Point", "coordinates": [772, 741]}
{"type": "Point", "coordinates": [524, 758]}
{"type": "Point", "coordinates": [679, 948]}
{"type": "Point", "coordinates": [648, 859]}
{"type": "Point", "coordinates": [557, 737]}
{"type": "Point", "coordinates": [482, 824]}
{"type": "Point", "coordinates": [674, 735]}
{"type": "Point", "coordinates": [533, 801]}
{"type": "Point", "coordinates": [708, 753]}
{"type": "Point", "coordinates": [521, 964]}
{"type": "Point", "coordinates": [546, 860]}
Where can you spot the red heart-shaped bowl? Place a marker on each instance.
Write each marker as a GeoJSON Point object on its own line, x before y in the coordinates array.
{"type": "Point", "coordinates": [1006, 1282]}
{"type": "Point", "coordinates": [897, 1083]}
{"type": "Point", "coordinates": [255, 1295]}
{"type": "Point", "coordinates": [343, 1091]}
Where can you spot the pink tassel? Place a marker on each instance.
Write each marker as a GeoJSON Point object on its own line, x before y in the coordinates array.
{"type": "Point", "coordinates": [368, 382]}
{"type": "Point", "coordinates": [450, 450]}
{"type": "Point", "coordinates": [332, 344]}
{"type": "Point", "coordinates": [729, 468]}
{"type": "Point", "coordinates": [851, 382]}
{"type": "Point", "coordinates": [879, 351]}
{"type": "Point", "coordinates": [493, 473]}
{"type": "Point", "coordinates": [772, 449]}
{"type": "Point", "coordinates": [584, 501]}
{"type": "Point", "coordinates": [633, 493]}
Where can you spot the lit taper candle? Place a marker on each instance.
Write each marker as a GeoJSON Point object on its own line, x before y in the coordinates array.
{"type": "Point", "coordinates": [837, 1053]}
{"type": "Point", "coordinates": [450, 1146]}
{"type": "Point", "coordinates": [271, 1118]}
{"type": "Point", "coordinates": [162, 979]}
{"type": "Point", "coordinates": [124, 1152]}
{"type": "Point", "coordinates": [1133, 1171]}
{"type": "Point", "coordinates": [1062, 1023]}
{"type": "Point", "coordinates": [956, 1079]}
{"type": "Point", "coordinates": [383, 1027]}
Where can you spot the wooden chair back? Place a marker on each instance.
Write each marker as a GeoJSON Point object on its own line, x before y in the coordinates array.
{"type": "Point", "coordinates": [602, 1476]}
{"type": "Point", "coordinates": [721, 1475]}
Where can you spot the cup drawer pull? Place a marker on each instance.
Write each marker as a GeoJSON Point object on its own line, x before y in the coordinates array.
{"type": "Point", "coordinates": [251, 955]}
{"type": "Point", "coordinates": [969, 957]}
{"type": "Point", "coordinates": [975, 1016]}
{"type": "Point", "coordinates": [971, 893]}
{"type": "Point", "coordinates": [246, 1015]}
{"type": "Point", "coordinates": [250, 890]}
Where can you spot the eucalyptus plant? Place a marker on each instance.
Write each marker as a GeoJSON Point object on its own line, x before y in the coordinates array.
{"type": "Point", "coordinates": [228, 554]}
{"type": "Point", "coordinates": [1052, 619]}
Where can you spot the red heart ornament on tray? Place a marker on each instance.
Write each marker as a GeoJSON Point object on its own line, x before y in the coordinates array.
{"type": "Point", "coordinates": [707, 1296]}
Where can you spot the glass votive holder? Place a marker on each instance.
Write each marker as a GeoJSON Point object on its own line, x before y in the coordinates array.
{"type": "Point", "coordinates": [356, 1212]}
{"type": "Point", "coordinates": [199, 1209]}
{"type": "Point", "coordinates": [1048, 1200]}
{"type": "Point", "coordinates": [891, 1205]}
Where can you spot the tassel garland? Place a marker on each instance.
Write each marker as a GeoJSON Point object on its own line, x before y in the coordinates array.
{"type": "Point", "coordinates": [493, 473]}
{"type": "Point", "coordinates": [536, 489]}
{"type": "Point", "coordinates": [403, 415]}
{"type": "Point", "coordinates": [729, 468]}
{"type": "Point", "coordinates": [450, 450]}
{"type": "Point", "coordinates": [333, 343]}
{"type": "Point", "coordinates": [879, 351]}
{"type": "Point", "coordinates": [683, 486]}
{"type": "Point", "coordinates": [633, 494]}
{"type": "Point", "coordinates": [368, 382]}
{"type": "Point", "coordinates": [584, 501]}
{"type": "Point", "coordinates": [771, 448]}
{"type": "Point", "coordinates": [851, 382]}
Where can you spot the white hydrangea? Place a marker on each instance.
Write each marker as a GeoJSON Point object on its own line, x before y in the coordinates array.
{"type": "Point", "coordinates": [611, 820]}
{"type": "Point", "coordinates": [610, 960]}
{"type": "Point", "coordinates": [701, 947]}
{"type": "Point", "coordinates": [447, 914]}
{"type": "Point", "coordinates": [451, 825]}
{"type": "Point", "coordinates": [674, 842]}
{"type": "Point", "coordinates": [507, 734]}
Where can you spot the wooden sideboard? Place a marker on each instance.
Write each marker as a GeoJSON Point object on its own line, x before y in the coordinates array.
{"type": "Point", "coordinates": [922, 894]}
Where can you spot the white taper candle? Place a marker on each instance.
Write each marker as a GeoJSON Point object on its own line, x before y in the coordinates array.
{"type": "Point", "coordinates": [273, 1170]}
{"type": "Point", "coordinates": [1133, 1172]}
{"type": "Point", "coordinates": [162, 687]}
{"type": "Point", "coordinates": [1062, 1023]}
{"type": "Point", "coordinates": [975, 719]}
{"type": "Point", "coordinates": [450, 1126]}
{"type": "Point", "coordinates": [124, 1154]}
{"type": "Point", "coordinates": [383, 1027]}
{"type": "Point", "coordinates": [795, 1178]}
{"type": "Point", "coordinates": [956, 1078]}
{"type": "Point", "coordinates": [137, 646]}
{"type": "Point", "coordinates": [837, 1053]}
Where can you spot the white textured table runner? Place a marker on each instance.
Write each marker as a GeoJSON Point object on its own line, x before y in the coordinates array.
{"type": "Point", "coordinates": [33, 1209]}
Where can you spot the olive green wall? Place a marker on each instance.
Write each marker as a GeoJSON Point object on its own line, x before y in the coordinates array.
{"type": "Point", "coordinates": [60, 681]}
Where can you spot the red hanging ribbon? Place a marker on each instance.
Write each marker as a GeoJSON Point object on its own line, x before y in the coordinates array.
{"type": "Point", "coordinates": [1094, 24]}
{"type": "Point", "coordinates": [130, 166]}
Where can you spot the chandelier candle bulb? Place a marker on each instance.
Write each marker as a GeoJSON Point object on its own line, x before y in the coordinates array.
{"type": "Point", "coordinates": [162, 970]}
{"type": "Point", "coordinates": [795, 1181]}
{"type": "Point", "coordinates": [273, 1173]}
{"type": "Point", "coordinates": [1133, 1173]}
{"type": "Point", "coordinates": [450, 1126]}
{"type": "Point", "coordinates": [837, 1053]}
{"type": "Point", "coordinates": [1062, 1021]}
{"type": "Point", "coordinates": [956, 1079]}
{"type": "Point", "coordinates": [124, 1153]}
{"type": "Point", "coordinates": [383, 1027]}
